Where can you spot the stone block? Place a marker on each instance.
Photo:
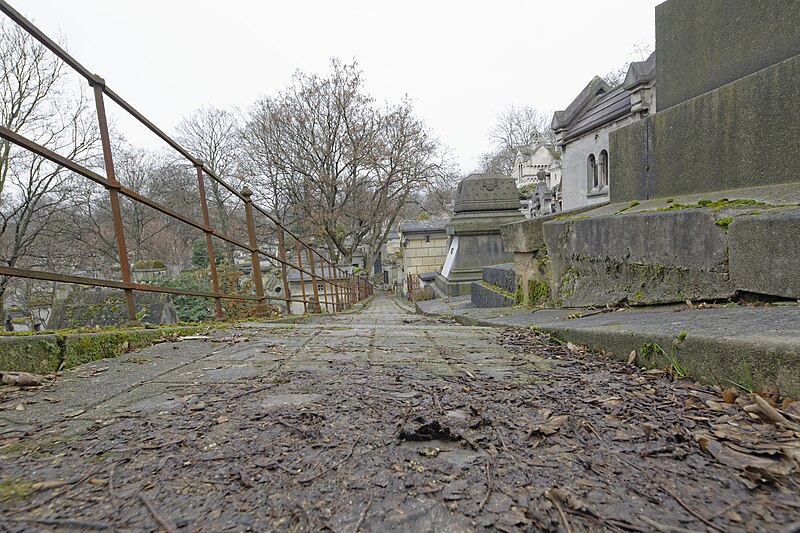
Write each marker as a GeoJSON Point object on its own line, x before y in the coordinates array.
{"type": "Point", "coordinates": [765, 253]}
{"type": "Point", "coordinates": [502, 276]}
{"type": "Point", "coordinates": [40, 354]}
{"type": "Point", "coordinates": [526, 235]}
{"type": "Point", "coordinates": [663, 257]}
{"type": "Point", "coordinates": [485, 296]}
{"type": "Point", "coordinates": [741, 134]}
{"type": "Point", "coordinates": [704, 44]}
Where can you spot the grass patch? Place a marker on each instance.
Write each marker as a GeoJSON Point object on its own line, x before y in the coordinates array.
{"type": "Point", "coordinates": [652, 351]}
{"type": "Point", "coordinates": [745, 380]}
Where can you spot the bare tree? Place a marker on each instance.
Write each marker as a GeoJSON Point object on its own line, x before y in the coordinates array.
{"type": "Point", "coordinates": [515, 127]}
{"type": "Point", "coordinates": [34, 102]}
{"type": "Point", "coordinates": [212, 134]}
{"type": "Point", "coordinates": [345, 165]}
{"type": "Point", "coordinates": [616, 76]}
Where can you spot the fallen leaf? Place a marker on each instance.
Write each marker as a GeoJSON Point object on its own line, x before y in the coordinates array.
{"type": "Point", "coordinates": [760, 466]}
{"type": "Point", "coordinates": [22, 379]}
{"type": "Point", "coordinates": [551, 426]}
{"type": "Point", "coordinates": [632, 357]}
{"type": "Point", "coordinates": [222, 419]}
{"type": "Point", "coordinates": [49, 484]}
{"type": "Point", "coordinates": [729, 395]}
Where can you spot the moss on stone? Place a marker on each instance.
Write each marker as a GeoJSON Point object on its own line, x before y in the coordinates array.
{"type": "Point", "coordinates": [541, 261]}
{"type": "Point", "coordinates": [519, 296]}
{"type": "Point", "coordinates": [716, 205]}
{"type": "Point", "coordinates": [538, 292]}
{"type": "Point", "coordinates": [15, 489]}
{"type": "Point", "coordinates": [566, 284]}
{"type": "Point", "coordinates": [724, 222]}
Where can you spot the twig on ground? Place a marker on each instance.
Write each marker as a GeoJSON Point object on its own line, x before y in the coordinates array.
{"type": "Point", "coordinates": [252, 391]}
{"type": "Point", "coordinates": [336, 465]}
{"type": "Point", "coordinates": [64, 523]}
{"type": "Point", "coordinates": [664, 528]}
{"type": "Point", "coordinates": [162, 521]}
{"type": "Point", "coordinates": [302, 432]}
{"type": "Point", "coordinates": [562, 514]}
{"type": "Point", "coordinates": [691, 511]}
{"type": "Point", "coordinates": [489, 485]}
{"type": "Point", "coordinates": [150, 446]}
{"type": "Point", "coordinates": [730, 507]}
{"type": "Point", "coordinates": [363, 515]}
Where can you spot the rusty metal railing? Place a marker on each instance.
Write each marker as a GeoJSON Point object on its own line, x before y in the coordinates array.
{"type": "Point", "coordinates": [340, 289]}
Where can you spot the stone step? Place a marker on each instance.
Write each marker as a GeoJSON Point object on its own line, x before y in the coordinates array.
{"type": "Point", "coordinates": [485, 295]}
{"type": "Point", "coordinates": [501, 275]}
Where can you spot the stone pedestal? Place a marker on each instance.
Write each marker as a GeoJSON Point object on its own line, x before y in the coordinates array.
{"type": "Point", "coordinates": [484, 202]}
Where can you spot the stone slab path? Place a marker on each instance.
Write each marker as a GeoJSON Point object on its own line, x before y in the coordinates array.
{"type": "Point", "coordinates": [383, 420]}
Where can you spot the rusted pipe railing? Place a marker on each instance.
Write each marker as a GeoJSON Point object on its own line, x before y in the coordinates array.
{"type": "Point", "coordinates": [338, 282]}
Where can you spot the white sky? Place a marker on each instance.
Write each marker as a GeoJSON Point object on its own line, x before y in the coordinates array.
{"type": "Point", "coordinates": [462, 62]}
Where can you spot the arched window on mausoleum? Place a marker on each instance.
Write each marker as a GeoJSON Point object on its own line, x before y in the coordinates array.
{"type": "Point", "coordinates": [591, 172]}
{"type": "Point", "coordinates": [603, 169]}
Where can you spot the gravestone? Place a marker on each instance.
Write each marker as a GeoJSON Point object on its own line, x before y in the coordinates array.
{"type": "Point", "coordinates": [483, 203]}
{"type": "Point", "coordinates": [106, 307]}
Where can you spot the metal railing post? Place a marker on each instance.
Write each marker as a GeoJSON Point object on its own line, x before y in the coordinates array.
{"type": "Point", "coordinates": [282, 253]}
{"type": "Point", "coordinates": [314, 308]}
{"type": "Point", "coordinates": [261, 310]}
{"type": "Point", "coordinates": [302, 279]}
{"type": "Point", "coordinates": [98, 84]}
{"type": "Point", "coordinates": [337, 298]}
{"type": "Point", "coordinates": [329, 279]}
{"type": "Point", "coordinates": [212, 263]}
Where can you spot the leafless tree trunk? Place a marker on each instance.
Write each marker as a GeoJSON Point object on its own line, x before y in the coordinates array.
{"type": "Point", "coordinates": [346, 166]}
{"type": "Point", "coordinates": [212, 135]}
{"type": "Point", "coordinates": [515, 127]}
{"type": "Point", "coordinates": [33, 103]}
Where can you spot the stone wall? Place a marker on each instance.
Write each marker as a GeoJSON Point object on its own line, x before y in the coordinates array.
{"type": "Point", "coordinates": [726, 78]}
{"type": "Point", "coordinates": [661, 251]}
{"type": "Point", "coordinates": [420, 256]}
{"type": "Point", "coordinates": [740, 135]}
{"type": "Point", "coordinates": [702, 45]}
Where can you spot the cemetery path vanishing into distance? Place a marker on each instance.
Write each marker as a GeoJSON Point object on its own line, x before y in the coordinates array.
{"type": "Point", "coordinates": [383, 420]}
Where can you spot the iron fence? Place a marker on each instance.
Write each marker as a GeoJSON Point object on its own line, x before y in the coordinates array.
{"type": "Point", "coordinates": [339, 289]}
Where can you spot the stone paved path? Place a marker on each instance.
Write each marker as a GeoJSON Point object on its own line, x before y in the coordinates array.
{"type": "Point", "coordinates": [380, 420]}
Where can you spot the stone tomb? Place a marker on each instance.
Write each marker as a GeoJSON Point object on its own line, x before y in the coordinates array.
{"type": "Point", "coordinates": [705, 192]}
{"type": "Point", "coordinates": [483, 203]}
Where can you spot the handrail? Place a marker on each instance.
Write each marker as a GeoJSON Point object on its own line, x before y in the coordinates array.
{"type": "Point", "coordinates": [344, 289]}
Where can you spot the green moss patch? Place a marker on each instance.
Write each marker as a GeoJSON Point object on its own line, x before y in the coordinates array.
{"type": "Point", "coordinates": [724, 222]}
{"type": "Point", "coordinates": [16, 489]}
{"type": "Point", "coordinates": [538, 292]}
{"type": "Point", "coordinates": [44, 354]}
{"type": "Point", "coordinates": [716, 205]}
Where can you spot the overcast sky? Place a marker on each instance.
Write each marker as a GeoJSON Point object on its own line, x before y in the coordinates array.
{"type": "Point", "coordinates": [461, 62]}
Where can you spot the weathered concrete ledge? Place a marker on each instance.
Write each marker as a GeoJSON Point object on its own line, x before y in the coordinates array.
{"type": "Point", "coordinates": [42, 354]}
{"type": "Point", "coordinates": [696, 247]}
{"type": "Point", "coordinates": [749, 346]}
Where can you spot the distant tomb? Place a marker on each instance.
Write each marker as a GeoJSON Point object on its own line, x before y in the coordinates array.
{"type": "Point", "coordinates": [106, 307]}
{"type": "Point", "coordinates": [483, 203]}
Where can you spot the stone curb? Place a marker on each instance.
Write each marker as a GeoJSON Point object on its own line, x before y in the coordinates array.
{"type": "Point", "coordinates": [750, 347]}
{"type": "Point", "coordinates": [42, 354]}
